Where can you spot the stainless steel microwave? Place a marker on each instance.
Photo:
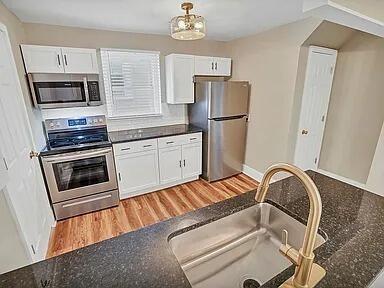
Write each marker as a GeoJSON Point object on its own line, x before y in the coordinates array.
{"type": "Point", "coordinates": [60, 91]}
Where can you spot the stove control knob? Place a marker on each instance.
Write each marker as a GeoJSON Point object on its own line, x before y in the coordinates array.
{"type": "Point", "coordinates": [95, 121]}
{"type": "Point", "coordinates": [57, 124]}
{"type": "Point", "coordinates": [100, 120]}
{"type": "Point", "coordinates": [51, 125]}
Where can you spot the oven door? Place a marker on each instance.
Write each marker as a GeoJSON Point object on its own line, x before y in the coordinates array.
{"type": "Point", "coordinates": [60, 94]}
{"type": "Point", "coordinates": [78, 174]}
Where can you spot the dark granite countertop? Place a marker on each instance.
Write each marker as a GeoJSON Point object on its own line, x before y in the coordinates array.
{"type": "Point", "coordinates": [151, 133]}
{"type": "Point", "coordinates": [353, 254]}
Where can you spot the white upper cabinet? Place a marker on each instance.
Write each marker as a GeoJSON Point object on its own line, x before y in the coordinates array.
{"type": "Point", "coordinates": [222, 66]}
{"type": "Point", "coordinates": [212, 66]}
{"type": "Point", "coordinates": [180, 70]}
{"type": "Point", "coordinates": [79, 60]}
{"type": "Point", "coordinates": [49, 59]}
{"type": "Point", "coordinates": [204, 66]}
{"type": "Point", "coordinates": [42, 59]}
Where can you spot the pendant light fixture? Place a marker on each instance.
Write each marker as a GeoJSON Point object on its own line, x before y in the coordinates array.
{"type": "Point", "coordinates": [188, 26]}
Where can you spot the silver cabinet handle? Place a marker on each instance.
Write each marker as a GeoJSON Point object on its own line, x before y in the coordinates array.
{"type": "Point", "coordinates": [213, 66]}
{"type": "Point", "coordinates": [184, 162]}
{"type": "Point", "coordinates": [125, 149]}
{"type": "Point", "coordinates": [119, 176]}
{"type": "Point", "coordinates": [146, 146]}
{"type": "Point", "coordinates": [216, 66]}
{"type": "Point", "coordinates": [65, 60]}
{"type": "Point", "coordinates": [180, 163]}
{"type": "Point", "coordinates": [58, 59]}
{"type": "Point", "coordinates": [193, 138]}
{"type": "Point", "coordinates": [170, 142]}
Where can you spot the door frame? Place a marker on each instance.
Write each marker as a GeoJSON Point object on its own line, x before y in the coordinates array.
{"type": "Point", "coordinates": [311, 51]}
{"type": "Point", "coordinates": [49, 220]}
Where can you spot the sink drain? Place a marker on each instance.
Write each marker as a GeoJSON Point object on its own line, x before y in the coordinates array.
{"type": "Point", "coordinates": [251, 283]}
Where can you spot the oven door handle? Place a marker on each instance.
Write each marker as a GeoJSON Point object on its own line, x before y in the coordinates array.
{"type": "Point", "coordinates": [55, 159]}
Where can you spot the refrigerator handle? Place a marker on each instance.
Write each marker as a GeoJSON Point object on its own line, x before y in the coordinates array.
{"type": "Point", "coordinates": [228, 118]}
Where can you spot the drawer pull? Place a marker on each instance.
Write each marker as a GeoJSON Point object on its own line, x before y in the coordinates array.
{"type": "Point", "coordinates": [193, 138]}
{"type": "Point", "coordinates": [146, 146]}
{"type": "Point", "coordinates": [170, 142]}
{"type": "Point", "coordinates": [125, 149]}
{"type": "Point", "coordinates": [87, 201]}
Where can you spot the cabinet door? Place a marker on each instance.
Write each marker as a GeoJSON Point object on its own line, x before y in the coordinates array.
{"type": "Point", "coordinates": [223, 66]}
{"type": "Point", "coordinates": [79, 60]}
{"type": "Point", "coordinates": [191, 160]}
{"type": "Point", "coordinates": [42, 59]}
{"type": "Point", "coordinates": [180, 72]}
{"type": "Point", "coordinates": [170, 164]}
{"type": "Point", "coordinates": [204, 65]}
{"type": "Point", "coordinates": [137, 171]}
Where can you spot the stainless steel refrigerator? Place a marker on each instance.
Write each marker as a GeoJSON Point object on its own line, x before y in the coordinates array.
{"type": "Point", "coordinates": [221, 110]}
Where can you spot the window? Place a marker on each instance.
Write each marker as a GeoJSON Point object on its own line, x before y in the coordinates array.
{"type": "Point", "coordinates": [131, 82]}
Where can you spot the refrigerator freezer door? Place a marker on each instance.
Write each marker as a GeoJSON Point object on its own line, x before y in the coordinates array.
{"type": "Point", "coordinates": [226, 148]}
{"type": "Point", "coordinates": [228, 99]}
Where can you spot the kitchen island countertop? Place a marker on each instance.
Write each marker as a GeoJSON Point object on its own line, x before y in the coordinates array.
{"type": "Point", "coordinates": [353, 254]}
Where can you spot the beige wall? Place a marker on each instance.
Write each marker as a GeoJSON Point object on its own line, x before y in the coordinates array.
{"type": "Point", "coordinates": [356, 109]}
{"type": "Point", "coordinates": [17, 36]}
{"type": "Point", "coordinates": [270, 62]}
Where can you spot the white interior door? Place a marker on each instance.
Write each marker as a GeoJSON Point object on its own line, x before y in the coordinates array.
{"type": "Point", "coordinates": [24, 189]}
{"type": "Point", "coordinates": [314, 106]}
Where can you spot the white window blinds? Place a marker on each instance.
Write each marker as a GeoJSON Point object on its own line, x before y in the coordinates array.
{"type": "Point", "coordinates": [131, 82]}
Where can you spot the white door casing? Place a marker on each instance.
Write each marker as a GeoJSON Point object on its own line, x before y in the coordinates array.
{"type": "Point", "coordinates": [314, 106]}
{"type": "Point", "coordinates": [25, 190]}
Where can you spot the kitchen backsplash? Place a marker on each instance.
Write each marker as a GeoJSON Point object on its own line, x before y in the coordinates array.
{"type": "Point", "coordinates": [171, 115]}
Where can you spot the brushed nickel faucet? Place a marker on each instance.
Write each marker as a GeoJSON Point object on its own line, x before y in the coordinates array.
{"type": "Point", "coordinates": [307, 274]}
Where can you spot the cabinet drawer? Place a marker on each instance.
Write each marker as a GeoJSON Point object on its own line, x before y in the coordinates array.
{"type": "Point", "coordinates": [192, 138]}
{"type": "Point", "coordinates": [136, 146]}
{"type": "Point", "coordinates": [171, 141]}
{"type": "Point", "coordinates": [86, 204]}
{"type": "Point", "coordinates": [179, 140]}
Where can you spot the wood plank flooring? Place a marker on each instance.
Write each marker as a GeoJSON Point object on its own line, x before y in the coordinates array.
{"type": "Point", "coordinates": [135, 213]}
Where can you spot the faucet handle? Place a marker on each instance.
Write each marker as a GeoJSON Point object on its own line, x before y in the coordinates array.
{"type": "Point", "coordinates": [284, 237]}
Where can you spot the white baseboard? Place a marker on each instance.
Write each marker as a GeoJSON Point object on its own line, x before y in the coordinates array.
{"type": "Point", "coordinates": [342, 179]}
{"type": "Point", "coordinates": [156, 188]}
{"type": "Point", "coordinates": [258, 175]}
{"type": "Point", "coordinates": [252, 173]}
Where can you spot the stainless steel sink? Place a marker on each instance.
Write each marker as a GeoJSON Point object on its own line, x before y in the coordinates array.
{"type": "Point", "coordinates": [240, 250]}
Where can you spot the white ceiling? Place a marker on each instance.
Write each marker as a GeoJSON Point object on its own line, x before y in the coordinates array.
{"type": "Point", "coordinates": [226, 19]}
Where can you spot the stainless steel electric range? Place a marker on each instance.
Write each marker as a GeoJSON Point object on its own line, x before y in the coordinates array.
{"type": "Point", "coordinates": [78, 165]}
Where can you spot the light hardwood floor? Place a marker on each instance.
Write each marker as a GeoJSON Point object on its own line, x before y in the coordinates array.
{"type": "Point", "coordinates": [141, 211]}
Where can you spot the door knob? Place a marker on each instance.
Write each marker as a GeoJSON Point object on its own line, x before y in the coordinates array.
{"type": "Point", "coordinates": [33, 154]}
{"type": "Point", "coordinates": [304, 132]}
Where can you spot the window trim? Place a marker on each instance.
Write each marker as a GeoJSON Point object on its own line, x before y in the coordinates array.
{"type": "Point", "coordinates": [109, 88]}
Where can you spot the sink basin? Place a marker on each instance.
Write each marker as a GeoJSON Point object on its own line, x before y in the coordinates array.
{"type": "Point", "coordinates": [240, 250]}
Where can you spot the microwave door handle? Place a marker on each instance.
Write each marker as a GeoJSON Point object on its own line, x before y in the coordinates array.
{"type": "Point", "coordinates": [56, 159]}
{"type": "Point", "coordinates": [86, 91]}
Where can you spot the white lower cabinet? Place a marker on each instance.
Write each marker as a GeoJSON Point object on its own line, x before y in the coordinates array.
{"type": "Point", "coordinates": [170, 164]}
{"type": "Point", "coordinates": [137, 172]}
{"type": "Point", "coordinates": [191, 154]}
{"type": "Point", "coordinates": [150, 165]}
